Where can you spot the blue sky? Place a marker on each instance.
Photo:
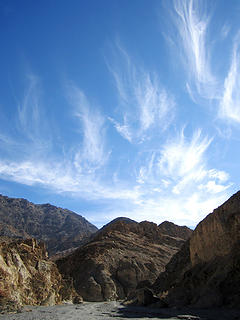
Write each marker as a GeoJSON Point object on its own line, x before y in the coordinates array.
{"type": "Point", "coordinates": [121, 108]}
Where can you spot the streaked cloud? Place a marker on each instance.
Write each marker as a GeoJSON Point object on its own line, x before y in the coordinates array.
{"type": "Point", "coordinates": [29, 119]}
{"type": "Point", "coordinates": [79, 170]}
{"type": "Point", "coordinates": [180, 164]}
{"type": "Point", "coordinates": [226, 28]}
{"type": "Point", "coordinates": [230, 102]}
{"type": "Point", "coordinates": [221, 176]}
{"type": "Point", "coordinates": [31, 159]}
{"type": "Point", "coordinates": [165, 176]}
{"type": "Point", "coordinates": [213, 187]}
{"type": "Point", "coordinates": [63, 177]}
{"type": "Point", "coordinates": [28, 110]}
{"type": "Point", "coordinates": [181, 157]}
{"type": "Point", "coordinates": [191, 20]}
{"type": "Point", "coordinates": [185, 162]}
{"type": "Point", "coordinates": [123, 129]}
{"type": "Point", "coordinates": [177, 183]}
{"type": "Point", "coordinates": [92, 153]}
{"type": "Point", "coordinates": [144, 103]}
{"type": "Point", "coordinates": [195, 44]}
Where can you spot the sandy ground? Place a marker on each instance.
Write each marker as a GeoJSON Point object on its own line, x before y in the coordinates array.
{"type": "Point", "coordinates": [111, 310]}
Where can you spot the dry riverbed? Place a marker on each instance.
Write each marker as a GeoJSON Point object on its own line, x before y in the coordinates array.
{"type": "Point", "coordinates": [111, 310]}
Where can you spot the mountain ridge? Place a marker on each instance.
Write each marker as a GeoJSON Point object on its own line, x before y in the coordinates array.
{"type": "Point", "coordinates": [61, 229]}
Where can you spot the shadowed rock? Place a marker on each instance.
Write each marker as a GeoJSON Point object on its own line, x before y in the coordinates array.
{"type": "Point", "coordinates": [206, 271]}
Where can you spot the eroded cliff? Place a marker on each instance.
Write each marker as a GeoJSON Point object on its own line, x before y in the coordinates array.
{"type": "Point", "coordinates": [206, 271]}
{"type": "Point", "coordinates": [27, 277]}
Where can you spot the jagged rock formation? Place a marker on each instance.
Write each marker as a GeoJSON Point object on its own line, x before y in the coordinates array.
{"type": "Point", "coordinates": [121, 256]}
{"type": "Point", "coordinates": [206, 271]}
{"type": "Point", "coordinates": [60, 229]}
{"type": "Point", "coordinates": [27, 277]}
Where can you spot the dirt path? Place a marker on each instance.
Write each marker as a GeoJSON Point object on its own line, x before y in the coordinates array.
{"type": "Point", "coordinates": [114, 310]}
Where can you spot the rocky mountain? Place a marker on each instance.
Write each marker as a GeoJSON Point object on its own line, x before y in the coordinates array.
{"type": "Point", "coordinates": [60, 229]}
{"type": "Point", "coordinates": [121, 256]}
{"type": "Point", "coordinates": [27, 277]}
{"type": "Point", "coordinates": [206, 271]}
{"type": "Point", "coordinates": [173, 230]}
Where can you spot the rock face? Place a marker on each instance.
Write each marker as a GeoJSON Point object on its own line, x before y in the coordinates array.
{"type": "Point", "coordinates": [27, 277]}
{"type": "Point", "coordinates": [206, 271]}
{"type": "Point", "coordinates": [60, 229]}
{"type": "Point", "coordinates": [122, 255]}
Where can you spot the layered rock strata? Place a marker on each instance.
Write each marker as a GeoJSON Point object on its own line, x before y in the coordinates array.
{"type": "Point", "coordinates": [121, 256]}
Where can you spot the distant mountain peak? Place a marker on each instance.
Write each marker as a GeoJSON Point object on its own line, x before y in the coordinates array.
{"type": "Point", "coordinates": [174, 230]}
{"type": "Point", "coordinates": [122, 255]}
{"type": "Point", "coordinates": [61, 229]}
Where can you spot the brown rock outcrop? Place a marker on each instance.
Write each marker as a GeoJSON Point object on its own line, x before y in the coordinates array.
{"type": "Point", "coordinates": [120, 257]}
{"type": "Point", "coordinates": [206, 271]}
{"type": "Point", "coordinates": [27, 277]}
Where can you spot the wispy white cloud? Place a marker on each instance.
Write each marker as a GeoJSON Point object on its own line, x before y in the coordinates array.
{"type": "Point", "coordinates": [191, 21]}
{"type": "Point", "coordinates": [185, 161]}
{"type": "Point", "coordinates": [146, 172]}
{"type": "Point", "coordinates": [181, 163]}
{"type": "Point", "coordinates": [173, 180]}
{"type": "Point", "coordinates": [230, 102]}
{"type": "Point", "coordinates": [29, 132]}
{"type": "Point", "coordinates": [155, 104]}
{"type": "Point", "coordinates": [29, 118]}
{"type": "Point", "coordinates": [29, 155]}
{"type": "Point", "coordinates": [79, 171]}
{"type": "Point", "coordinates": [225, 30]}
{"type": "Point", "coordinates": [213, 187]}
{"type": "Point", "coordinates": [177, 184]}
{"type": "Point", "coordinates": [165, 179]}
{"type": "Point", "coordinates": [220, 176]}
{"type": "Point", "coordinates": [181, 157]}
{"type": "Point", "coordinates": [63, 177]}
{"type": "Point", "coordinates": [28, 110]}
{"type": "Point", "coordinates": [145, 104]}
{"type": "Point", "coordinates": [92, 154]}
{"type": "Point", "coordinates": [123, 129]}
